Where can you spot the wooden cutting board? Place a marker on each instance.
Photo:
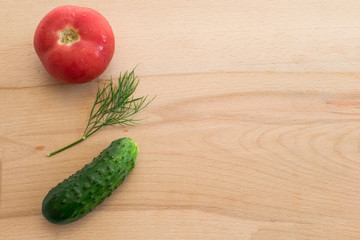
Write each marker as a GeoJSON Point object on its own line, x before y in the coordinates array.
{"type": "Point", "coordinates": [254, 133]}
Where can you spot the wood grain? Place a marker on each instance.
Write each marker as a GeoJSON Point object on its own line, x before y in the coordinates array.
{"type": "Point", "coordinates": [254, 133]}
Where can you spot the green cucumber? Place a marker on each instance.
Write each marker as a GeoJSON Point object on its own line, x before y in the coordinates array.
{"type": "Point", "coordinates": [83, 191]}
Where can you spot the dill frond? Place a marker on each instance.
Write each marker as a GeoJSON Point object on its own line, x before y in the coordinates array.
{"type": "Point", "coordinates": [114, 105]}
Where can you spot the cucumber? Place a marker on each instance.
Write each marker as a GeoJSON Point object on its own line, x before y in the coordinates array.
{"type": "Point", "coordinates": [83, 191]}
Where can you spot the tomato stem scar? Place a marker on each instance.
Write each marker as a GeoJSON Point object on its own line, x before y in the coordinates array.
{"type": "Point", "coordinates": [68, 36]}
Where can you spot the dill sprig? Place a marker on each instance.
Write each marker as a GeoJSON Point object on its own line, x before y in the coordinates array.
{"type": "Point", "coordinates": [114, 104]}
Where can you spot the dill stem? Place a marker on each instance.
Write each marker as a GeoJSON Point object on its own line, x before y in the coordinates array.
{"type": "Point", "coordinates": [68, 146]}
{"type": "Point", "coordinates": [74, 143]}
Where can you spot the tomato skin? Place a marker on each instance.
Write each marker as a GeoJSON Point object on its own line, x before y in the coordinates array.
{"type": "Point", "coordinates": [82, 60]}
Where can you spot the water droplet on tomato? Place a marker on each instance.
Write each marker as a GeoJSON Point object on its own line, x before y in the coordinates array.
{"type": "Point", "coordinates": [103, 38]}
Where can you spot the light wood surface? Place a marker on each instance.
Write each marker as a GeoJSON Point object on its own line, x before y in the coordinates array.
{"type": "Point", "coordinates": [254, 133]}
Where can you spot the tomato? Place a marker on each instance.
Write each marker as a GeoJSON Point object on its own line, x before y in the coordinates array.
{"type": "Point", "coordinates": [75, 44]}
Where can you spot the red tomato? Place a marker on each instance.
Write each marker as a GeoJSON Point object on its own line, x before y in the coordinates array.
{"type": "Point", "coordinates": [75, 44]}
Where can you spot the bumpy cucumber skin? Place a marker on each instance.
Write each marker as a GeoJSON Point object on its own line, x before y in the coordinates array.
{"type": "Point", "coordinates": [83, 191]}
